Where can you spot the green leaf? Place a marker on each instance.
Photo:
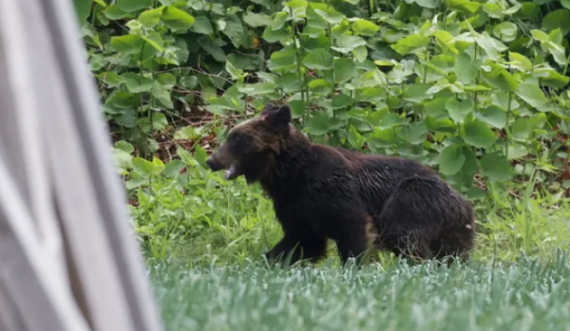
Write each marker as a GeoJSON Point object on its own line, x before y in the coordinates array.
{"type": "Point", "coordinates": [458, 110]}
{"type": "Point", "coordinates": [439, 86]}
{"type": "Point", "coordinates": [464, 6]}
{"type": "Point", "coordinates": [128, 119]}
{"type": "Point", "coordinates": [162, 96]}
{"type": "Point", "coordinates": [496, 167]}
{"type": "Point", "coordinates": [451, 160]}
{"type": "Point", "coordinates": [390, 120]}
{"type": "Point", "coordinates": [279, 20]}
{"type": "Point", "coordinates": [364, 27]}
{"type": "Point", "coordinates": [431, 4]}
{"type": "Point", "coordinates": [416, 93]}
{"type": "Point", "coordinates": [492, 46]}
{"type": "Point", "coordinates": [344, 70]}
{"type": "Point", "coordinates": [539, 35]}
{"type": "Point", "coordinates": [500, 78]}
{"type": "Point", "coordinates": [82, 10]}
{"type": "Point", "coordinates": [415, 133]}
{"type": "Point", "coordinates": [521, 129]}
{"type": "Point", "coordinates": [122, 100]}
{"type": "Point", "coordinates": [125, 146]}
{"type": "Point", "coordinates": [123, 161]}
{"type": "Point", "coordinates": [466, 68]}
{"type": "Point", "coordinates": [320, 86]}
{"type": "Point", "coordinates": [475, 193]}
{"type": "Point", "coordinates": [298, 8]}
{"type": "Point", "coordinates": [382, 138]}
{"type": "Point", "coordinates": [136, 83]}
{"type": "Point", "coordinates": [134, 5]}
{"type": "Point", "coordinates": [159, 121]}
{"type": "Point", "coordinates": [297, 108]}
{"type": "Point", "coordinates": [258, 88]}
{"type": "Point", "coordinates": [234, 30]}
{"type": "Point", "coordinates": [236, 74]}
{"type": "Point", "coordinates": [436, 108]}
{"type": "Point", "coordinates": [478, 134]}
{"type": "Point", "coordinates": [553, 79]}
{"type": "Point", "coordinates": [130, 44]}
{"type": "Point", "coordinates": [354, 138]}
{"type": "Point", "coordinates": [189, 82]}
{"type": "Point", "coordinates": [370, 78]}
{"type": "Point", "coordinates": [506, 31]}
{"type": "Point", "coordinates": [346, 43]}
{"type": "Point", "coordinates": [282, 60]}
{"type": "Point", "coordinates": [151, 17]}
{"type": "Point", "coordinates": [445, 40]}
{"type": "Point", "coordinates": [186, 157]}
{"type": "Point", "coordinates": [341, 101]}
{"type": "Point", "coordinates": [113, 12]}
{"type": "Point", "coordinates": [546, 43]}
{"type": "Point", "coordinates": [532, 95]}
{"type": "Point", "coordinates": [176, 19]}
{"type": "Point", "coordinates": [493, 116]}
{"type": "Point", "coordinates": [200, 155]}
{"type": "Point", "coordinates": [256, 20]}
{"type": "Point", "coordinates": [517, 151]}
{"type": "Point", "coordinates": [289, 82]}
{"type": "Point", "coordinates": [273, 36]}
{"type": "Point", "coordinates": [320, 124]}
{"type": "Point", "coordinates": [146, 168]}
{"type": "Point", "coordinates": [212, 48]}
{"type": "Point", "coordinates": [173, 168]}
{"type": "Point", "coordinates": [202, 25]}
{"type": "Point", "coordinates": [558, 19]}
{"type": "Point", "coordinates": [360, 53]}
{"type": "Point", "coordinates": [318, 59]}
{"type": "Point", "coordinates": [410, 44]}
{"type": "Point", "coordinates": [327, 13]}
{"type": "Point", "coordinates": [167, 79]}
{"type": "Point", "coordinates": [521, 61]}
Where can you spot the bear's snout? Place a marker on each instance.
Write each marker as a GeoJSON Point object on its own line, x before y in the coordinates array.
{"type": "Point", "coordinates": [214, 166]}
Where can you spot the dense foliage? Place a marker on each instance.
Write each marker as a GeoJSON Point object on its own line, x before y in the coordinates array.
{"type": "Point", "coordinates": [476, 89]}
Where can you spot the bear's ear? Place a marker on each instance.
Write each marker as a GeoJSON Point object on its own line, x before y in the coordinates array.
{"type": "Point", "coordinates": [277, 116]}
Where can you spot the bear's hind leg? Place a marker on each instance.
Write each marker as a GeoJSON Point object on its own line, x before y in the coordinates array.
{"type": "Point", "coordinates": [411, 219]}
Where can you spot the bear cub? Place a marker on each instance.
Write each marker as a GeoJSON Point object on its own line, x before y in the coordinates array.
{"type": "Point", "coordinates": [356, 199]}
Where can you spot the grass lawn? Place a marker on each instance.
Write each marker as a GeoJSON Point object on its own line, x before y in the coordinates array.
{"type": "Point", "coordinates": [203, 254]}
{"type": "Point", "coordinates": [522, 295]}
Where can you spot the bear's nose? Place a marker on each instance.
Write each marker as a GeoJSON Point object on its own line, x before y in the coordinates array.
{"type": "Point", "coordinates": [214, 166]}
{"type": "Point", "coordinates": [210, 163]}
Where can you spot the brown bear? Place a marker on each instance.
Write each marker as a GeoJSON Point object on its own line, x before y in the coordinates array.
{"type": "Point", "coordinates": [321, 192]}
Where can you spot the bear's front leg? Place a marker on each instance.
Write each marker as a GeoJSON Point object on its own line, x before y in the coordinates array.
{"type": "Point", "coordinates": [292, 249]}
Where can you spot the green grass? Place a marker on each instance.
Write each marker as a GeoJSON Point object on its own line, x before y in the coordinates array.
{"type": "Point", "coordinates": [205, 248]}
{"type": "Point", "coordinates": [524, 295]}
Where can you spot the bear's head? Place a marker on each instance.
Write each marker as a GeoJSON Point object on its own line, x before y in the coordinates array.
{"type": "Point", "coordinates": [252, 146]}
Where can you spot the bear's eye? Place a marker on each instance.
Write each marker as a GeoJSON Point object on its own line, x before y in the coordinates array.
{"type": "Point", "coordinates": [237, 142]}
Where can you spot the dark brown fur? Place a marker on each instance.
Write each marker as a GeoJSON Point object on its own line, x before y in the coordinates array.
{"type": "Point", "coordinates": [320, 192]}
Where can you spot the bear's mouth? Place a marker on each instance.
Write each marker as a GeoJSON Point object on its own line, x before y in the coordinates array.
{"type": "Point", "coordinates": [232, 172]}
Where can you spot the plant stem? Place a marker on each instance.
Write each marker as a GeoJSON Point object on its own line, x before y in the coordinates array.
{"type": "Point", "coordinates": [566, 66]}
{"type": "Point", "coordinates": [332, 70]}
{"type": "Point", "coordinates": [476, 81]}
{"type": "Point", "coordinates": [298, 55]}
{"type": "Point", "coordinates": [507, 131]}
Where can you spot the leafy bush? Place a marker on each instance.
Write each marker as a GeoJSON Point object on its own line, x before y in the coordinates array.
{"type": "Point", "coordinates": [476, 89]}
